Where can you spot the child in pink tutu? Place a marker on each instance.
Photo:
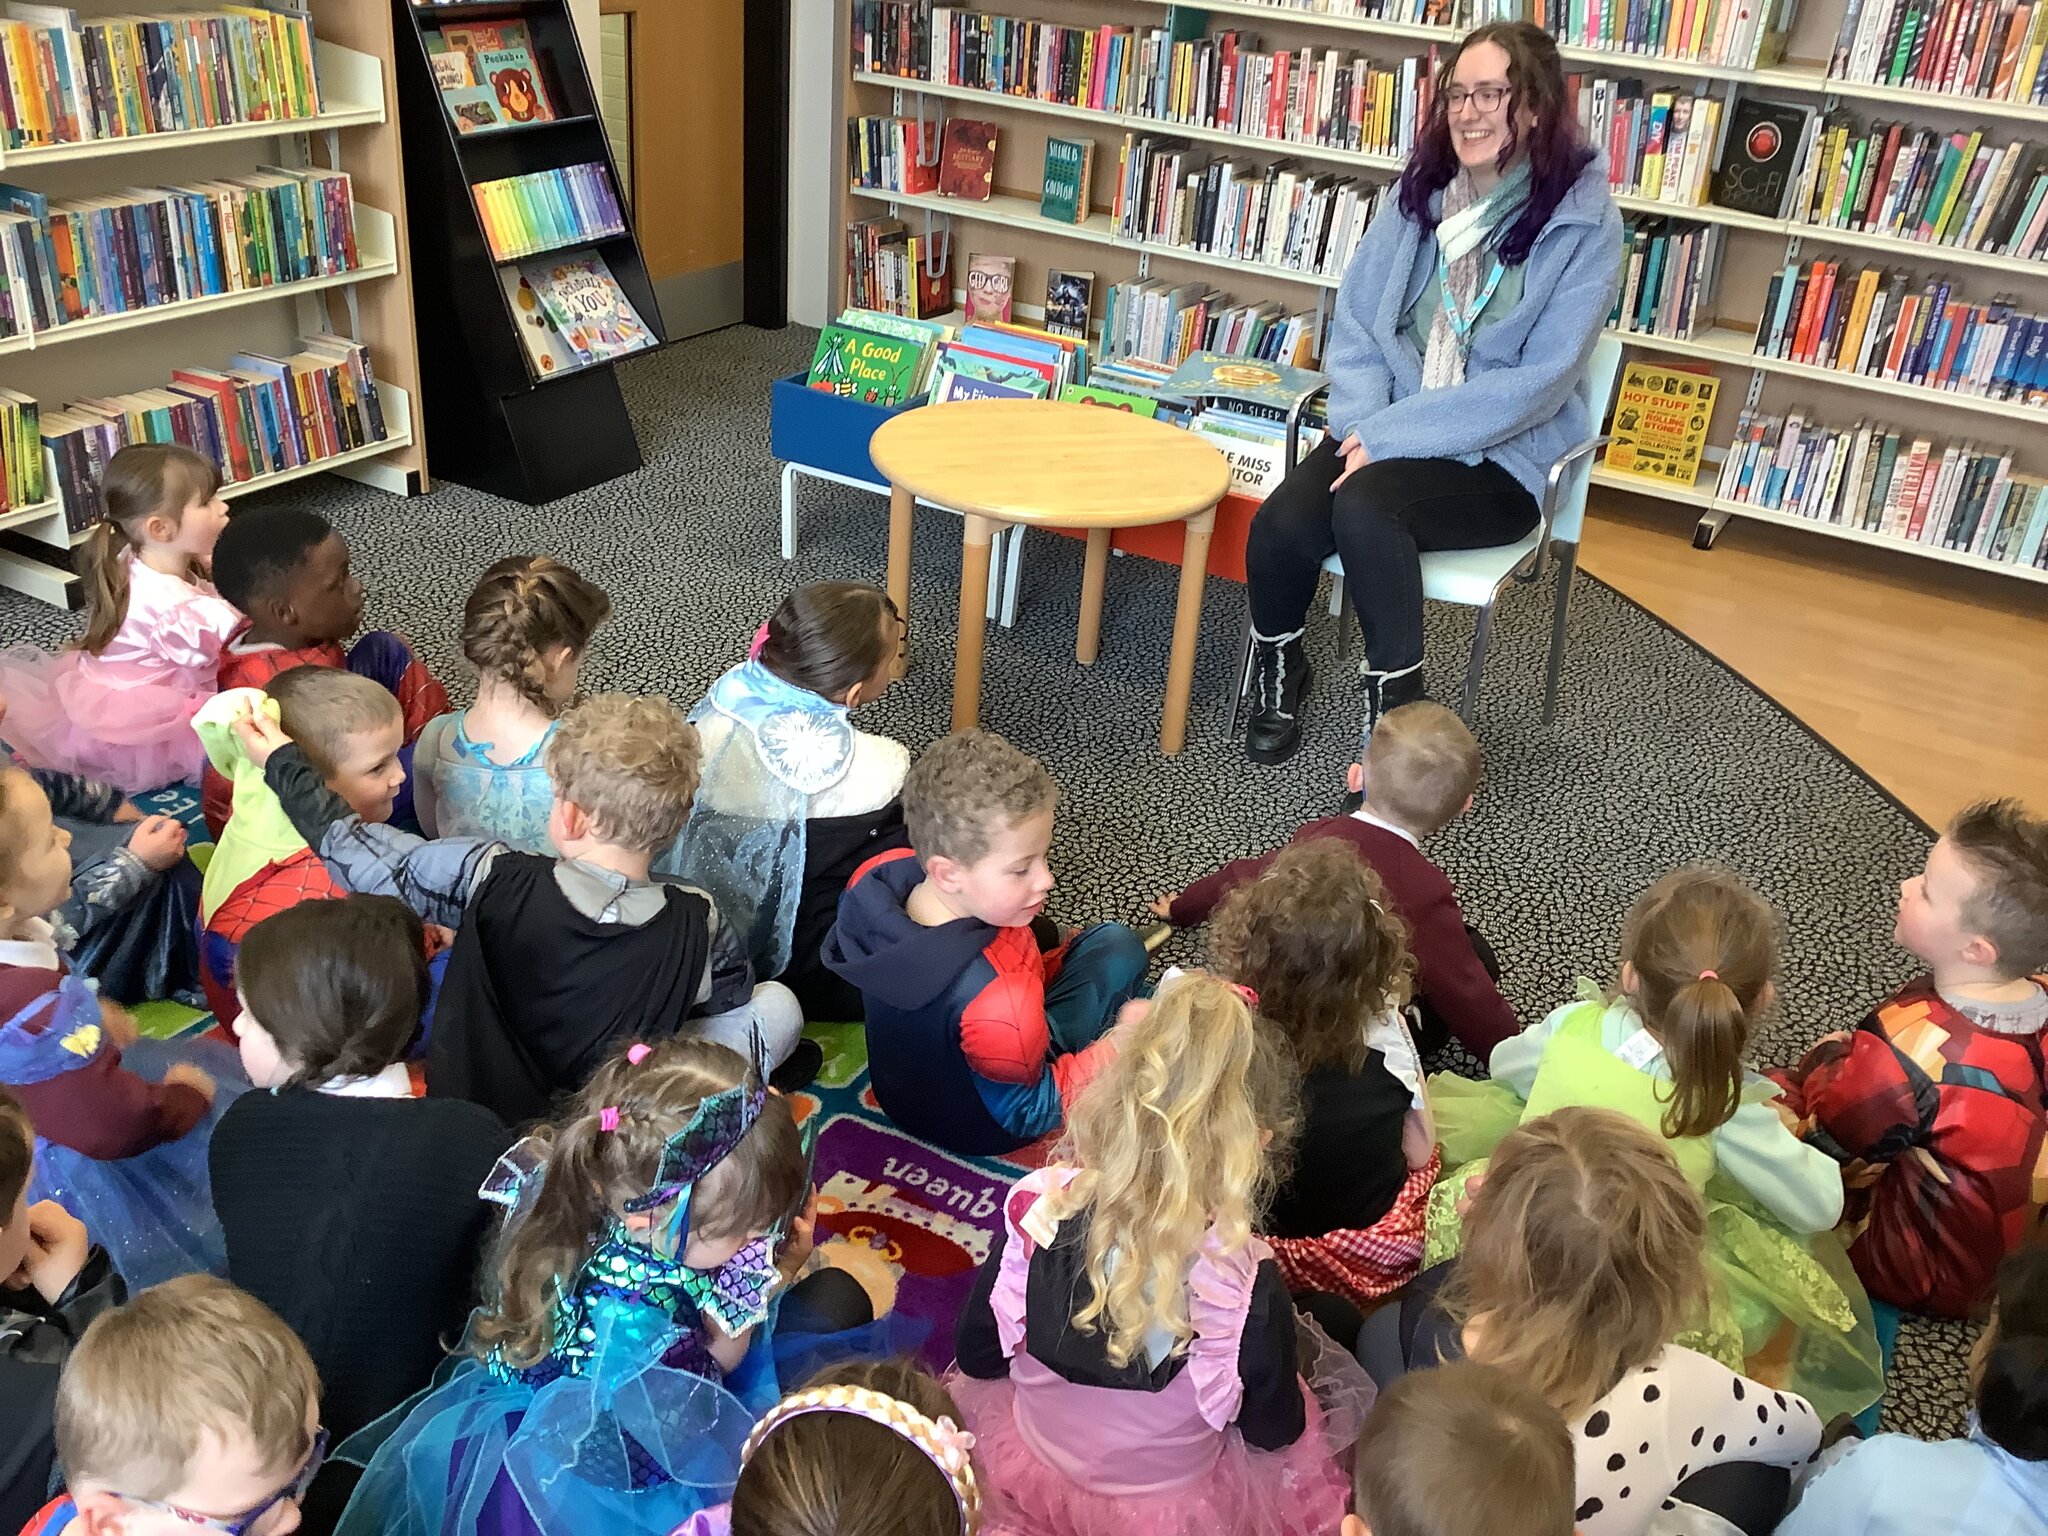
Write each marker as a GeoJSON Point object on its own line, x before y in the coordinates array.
{"type": "Point", "coordinates": [118, 705]}
{"type": "Point", "coordinates": [1130, 1364]}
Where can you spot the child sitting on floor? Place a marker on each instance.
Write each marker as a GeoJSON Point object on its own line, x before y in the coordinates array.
{"type": "Point", "coordinates": [557, 962]}
{"type": "Point", "coordinates": [637, 1312]}
{"type": "Point", "coordinates": [118, 706]}
{"type": "Point", "coordinates": [1935, 1103]}
{"type": "Point", "coordinates": [288, 570]}
{"type": "Point", "coordinates": [190, 1405]}
{"type": "Point", "coordinates": [350, 730]}
{"type": "Point", "coordinates": [124, 1153]}
{"type": "Point", "coordinates": [54, 1280]}
{"type": "Point", "coordinates": [1420, 770]}
{"type": "Point", "coordinates": [479, 772]}
{"type": "Point", "coordinates": [1129, 1359]}
{"type": "Point", "coordinates": [1316, 942]}
{"type": "Point", "coordinates": [1993, 1481]}
{"type": "Point", "coordinates": [1698, 952]}
{"type": "Point", "coordinates": [982, 1026]}
{"type": "Point", "coordinates": [794, 799]}
{"type": "Point", "coordinates": [1584, 1260]}
{"type": "Point", "coordinates": [873, 1448]}
{"type": "Point", "coordinates": [349, 1205]}
{"type": "Point", "coordinates": [1462, 1450]}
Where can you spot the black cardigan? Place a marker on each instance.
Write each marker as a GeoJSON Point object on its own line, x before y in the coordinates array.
{"type": "Point", "coordinates": [1271, 1414]}
{"type": "Point", "coordinates": [357, 1221]}
{"type": "Point", "coordinates": [1348, 1165]}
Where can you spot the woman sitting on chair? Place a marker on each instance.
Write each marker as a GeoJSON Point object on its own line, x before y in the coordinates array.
{"type": "Point", "coordinates": [1456, 360]}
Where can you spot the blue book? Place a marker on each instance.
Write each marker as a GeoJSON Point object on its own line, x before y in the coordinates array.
{"type": "Point", "coordinates": [2028, 377]}
{"type": "Point", "coordinates": [1774, 345]}
{"type": "Point", "coordinates": [2008, 356]}
{"type": "Point", "coordinates": [1914, 367]}
{"type": "Point", "coordinates": [2037, 529]}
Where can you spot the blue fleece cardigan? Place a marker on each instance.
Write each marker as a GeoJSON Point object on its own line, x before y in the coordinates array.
{"type": "Point", "coordinates": [1523, 401]}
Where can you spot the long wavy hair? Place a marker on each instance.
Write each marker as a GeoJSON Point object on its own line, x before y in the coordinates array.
{"type": "Point", "coordinates": [1556, 153]}
{"type": "Point", "coordinates": [142, 481]}
{"type": "Point", "coordinates": [1172, 1144]}
{"type": "Point", "coordinates": [590, 1173]}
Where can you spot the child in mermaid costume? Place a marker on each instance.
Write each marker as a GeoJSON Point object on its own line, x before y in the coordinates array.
{"type": "Point", "coordinates": [1698, 952]}
{"type": "Point", "coordinates": [638, 1320]}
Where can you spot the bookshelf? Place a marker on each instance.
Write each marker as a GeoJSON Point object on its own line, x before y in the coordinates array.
{"type": "Point", "coordinates": [116, 353]}
{"type": "Point", "coordinates": [497, 422]}
{"type": "Point", "coordinates": [1754, 246]}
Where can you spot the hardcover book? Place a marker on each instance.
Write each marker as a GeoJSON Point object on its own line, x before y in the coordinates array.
{"type": "Point", "coordinates": [861, 365]}
{"type": "Point", "coordinates": [1068, 298]}
{"type": "Point", "coordinates": [967, 159]}
{"type": "Point", "coordinates": [1068, 165]}
{"type": "Point", "coordinates": [1661, 414]}
{"type": "Point", "coordinates": [588, 308]}
{"type": "Point", "coordinates": [989, 283]}
{"type": "Point", "coordinates": [545, 348]}
{"type": "Point", "coordinates": [1110, 399]}
{"type": "Point", "coordinates": [1758, 165]}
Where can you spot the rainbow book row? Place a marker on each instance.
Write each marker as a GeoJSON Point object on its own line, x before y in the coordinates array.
{"type": "Point", "coordinates": [540, 211]}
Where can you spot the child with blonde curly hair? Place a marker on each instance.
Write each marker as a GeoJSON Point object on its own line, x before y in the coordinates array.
{"type": "Point", "coordinates": [1130, 1363]}
{"type": "Point", "coordinates": [1317, 941]}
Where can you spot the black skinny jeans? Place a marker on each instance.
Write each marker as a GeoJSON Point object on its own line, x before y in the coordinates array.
{"type": "Point", "coordinates": [1382, 520]}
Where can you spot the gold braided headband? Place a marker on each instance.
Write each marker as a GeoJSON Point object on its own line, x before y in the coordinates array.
{"type": "Point", "coordinates": [942, 1440]}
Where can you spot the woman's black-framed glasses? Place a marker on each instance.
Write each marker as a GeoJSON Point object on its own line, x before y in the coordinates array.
{"type": "Point", "coordinates": [1486, 98]}
{"type": "Point", "coordinates": [242, 1524]}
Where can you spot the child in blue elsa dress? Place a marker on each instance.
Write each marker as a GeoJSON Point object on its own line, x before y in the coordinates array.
{"type": "Point", "coordinates": [638, 1314]}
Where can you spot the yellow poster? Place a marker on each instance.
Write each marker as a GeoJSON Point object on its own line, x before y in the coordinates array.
{"type": "Point", "coordinates": [1660, 422]}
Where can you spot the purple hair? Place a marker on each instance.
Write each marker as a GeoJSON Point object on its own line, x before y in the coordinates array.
{"type": "Point", "coordinates": [1556, 154]}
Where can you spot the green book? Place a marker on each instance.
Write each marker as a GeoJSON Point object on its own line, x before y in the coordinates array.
{"type": "Point", "coordinates": [861, 365]}
{"type": "Point", "coordinates": [1115, 399]}
{"type": "Point", "coordinates": [1067, 164]}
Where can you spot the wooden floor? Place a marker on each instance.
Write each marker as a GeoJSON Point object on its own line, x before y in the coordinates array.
{"type": "Point", "coordinates": [1931, 678]}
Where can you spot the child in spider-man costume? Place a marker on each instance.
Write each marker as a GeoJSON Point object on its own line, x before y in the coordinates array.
{"type": "Point", "coordinates": [1934, 1104]}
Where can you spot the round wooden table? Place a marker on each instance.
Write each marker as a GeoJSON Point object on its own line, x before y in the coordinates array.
{"type": "Point", "coordinates": [1052, 465]}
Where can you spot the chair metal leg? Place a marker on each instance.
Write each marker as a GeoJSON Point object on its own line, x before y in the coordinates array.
{"type": "Point", "coordinates": [1469, 700]}
{"type": "Point", "coordinates": [1244, 680]}
{"type": "Point", "coordinates": [1347, 623]}
{"type": "Point", "coordinates": [1567, 573]}
{"type": "Point", "coordinates": [789, 511]}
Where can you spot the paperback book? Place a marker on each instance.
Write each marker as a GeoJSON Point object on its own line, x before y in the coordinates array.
{"type": "Point", "coordinates": [503, 62]}
{"type": "Point", "coordinates": [1069, 164]}
{"type": "Point", "coordinates": [967, 159]}
{"type": "Point", "coordinates": [586, 307]}
{"type": "Point", "coordinates": [1760, 163]}
{"type": "Point", "coordinates": [1068, 298]}
{"type": "Point", "coordinates": [1661, 415]}
{"type": "Point", "coordinates": [863, 365]}
{"type": "Point", "coordinates": [989, 283]}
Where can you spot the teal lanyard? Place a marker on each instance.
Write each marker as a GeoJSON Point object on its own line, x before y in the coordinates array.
{"type": "Point", "coordinates": [1462, 321]}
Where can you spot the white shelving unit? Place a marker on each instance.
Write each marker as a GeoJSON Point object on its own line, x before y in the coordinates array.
{"type": "Point", "coordinates": [354, 96]}
{"type": "Point", "coordinates": [1722, 345]}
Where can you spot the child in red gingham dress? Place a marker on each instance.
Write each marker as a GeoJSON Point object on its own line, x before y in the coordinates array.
{"type": "Point", "coordinates": [1317, 940]}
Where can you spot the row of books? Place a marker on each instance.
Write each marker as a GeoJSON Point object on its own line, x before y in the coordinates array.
{"type": "Point", "coordinates": [257, 416]}
{"type": "Point", "coordinates": [1890, 482]}
{"type": "Point", "coordinates": [22, 481]}
{"type": "Point", "coordinates": [1945, 189]}
{"type": "Point", "coordinates": [887, 270]}
{"type": "Point", "coordinates": [1892, 325]}
{"type": "Point", "coordinates": [1668, 272]}
{"type": "Point", "coordinates": [1738, 34]}
{"type": "Point", "coordinates": [68, 259]}
{"type": "Point", "coordinates": [524, 215]}
{"type": "Point", "coordinates": [1659, 144]}
{"type": "Point", "coordinates": [1995, 49]}
{"type": "Point", "coordinates": [997, 361]}
{"type": "Point", "coordinates": [67, 81]}
{"type": "Point", "coordinates": [489, 75]}
{"type": "Point", "coordinates": [1170, 193]}
{"type": "Point", "coordinates": [1150, 321]}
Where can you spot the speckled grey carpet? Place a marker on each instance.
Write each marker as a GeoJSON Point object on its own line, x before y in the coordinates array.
{"type": "Point", "coordinates": [1660, 755]}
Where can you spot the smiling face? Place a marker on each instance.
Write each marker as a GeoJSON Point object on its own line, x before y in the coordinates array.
{"type": "Point", "coordinates": [367, 772]}
{"type": "Point", "coordinates": [1007, 885]}
{"type": "Point", "coordinates": [1480, 104]}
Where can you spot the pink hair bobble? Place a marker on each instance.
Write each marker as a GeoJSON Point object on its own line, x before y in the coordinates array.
{"type": "Point", "coordinates": [608, 1118]}
{"type": "Point", "coordinates": [638, 1052]}
{"type": "Point", "coordinates": [1251, 998]}
{"type": "Point", "coordinates": [760, 642]}
{"type": "Point", "coordinates": [1710, 975]}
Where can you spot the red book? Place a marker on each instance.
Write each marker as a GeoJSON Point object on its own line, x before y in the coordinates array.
{"type": "Point", "coordinates": [1811, 309]}
{"type": "Point", "coordinates": [1901, 334]}
{"type": "Point", "coordinates": [967, 159]}
{"type": "Point", "coordinates": [1874, 185]}
{"type": "Point", "coordinates": [918, 176]}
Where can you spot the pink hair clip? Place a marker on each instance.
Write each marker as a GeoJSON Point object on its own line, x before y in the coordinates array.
{"type": "Point", "coordinates": [635, 1054]}
{"type": "Point", "coordinates": [760, 641]}
{"type": "Point", "coordinates": [608, 1118]}
{"type": "Point", "coordinates": [1251, 998]}
{"type": "Point", "coordinates": [1710, 975]}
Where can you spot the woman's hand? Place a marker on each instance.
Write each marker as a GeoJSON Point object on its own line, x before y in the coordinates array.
{"type": "Point", "coordinates": [1355, 458]}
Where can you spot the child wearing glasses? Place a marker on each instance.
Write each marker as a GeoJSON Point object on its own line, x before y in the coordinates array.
{"type": "Point", "coordinates": [192, 1405]}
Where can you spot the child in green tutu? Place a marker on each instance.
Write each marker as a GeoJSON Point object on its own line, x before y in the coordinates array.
{"type": "Point", "coordinates": [1698, 950]}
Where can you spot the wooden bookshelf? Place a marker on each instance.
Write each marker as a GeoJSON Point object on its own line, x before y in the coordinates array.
{"type": "Point", "coordinates": [112, 354]}
{"type": "Point", "coordinates": [496, 423]}
{"type": "Point", "coordinates": [1754, 246]}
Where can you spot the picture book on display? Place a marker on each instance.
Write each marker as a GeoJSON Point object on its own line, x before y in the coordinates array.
{"type": "Point", "coordinates": [1112, 399]}
{"type": "Point", "coordinates": [546, 349]}
{"type": "Point", "coordinates": [865, 365]}
{"type": "Point", "coordinates": [1271, 386]}
{"type": "Point", "coordinates": [490, 65]}
{"type": "Point", "coordinates": [1068, 298]}
{"type": "Point", "coordinates": [925, 335]}
{"type": "Point", "coordinates": [967, 159]}
{"type": "Point", "coordinates": [586, 317]}
{"type": "Point", "coordinates": [1008, 362]}
{"type": "Point", "coordinates": [1661, 415]}
{"type": "Point", "coordinates": [1761, 159]}
{"type": "Point", "coordinates": [990, 280]}
{"type": "Point", "coordinates": [1068, 166]}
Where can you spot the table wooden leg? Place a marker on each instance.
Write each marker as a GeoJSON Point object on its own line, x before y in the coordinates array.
{"type": "Point", "coordinates": [901, 504]}
{"type": "Point", "coordinates": [976, 535]}
{"type": "Point", "coordinates": [1187, 625]}
{"type": "Point", "coordinates": [1088, 636]}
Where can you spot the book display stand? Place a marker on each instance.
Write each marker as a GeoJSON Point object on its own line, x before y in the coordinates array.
{"type": "Point", "coordinates": [176, 304]}
{"type": "Point", "coordinates": [1908, 233]}
{"type": "Point", "coordinates": [507, 165]}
